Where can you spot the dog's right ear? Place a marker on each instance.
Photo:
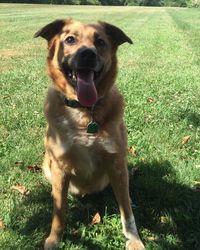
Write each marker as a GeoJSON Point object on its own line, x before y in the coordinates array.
{"type": "Point", "coordinates": [50, 30]}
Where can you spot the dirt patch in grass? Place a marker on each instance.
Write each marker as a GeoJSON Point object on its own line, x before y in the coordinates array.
{"type": "Point", "coordinates": [10, 53]}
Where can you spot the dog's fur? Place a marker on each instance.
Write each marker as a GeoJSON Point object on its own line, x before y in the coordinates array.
{"type": "Point", "coordinates": [77, 161]}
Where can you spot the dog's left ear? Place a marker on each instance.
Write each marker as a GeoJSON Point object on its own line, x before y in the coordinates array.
{"type": "Point", "coordinates": [50, 30]}
{"type": "Point", "coordinates": [116, 35]}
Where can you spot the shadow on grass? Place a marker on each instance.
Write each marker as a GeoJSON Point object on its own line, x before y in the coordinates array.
{"type": "Point", "coordinates": [191, 117]}
{"type": "Point", "coordinates": [165, 208]}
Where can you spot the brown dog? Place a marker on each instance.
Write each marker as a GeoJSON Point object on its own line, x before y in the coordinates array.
{"type": "Point", "coordinates": [86, 140]}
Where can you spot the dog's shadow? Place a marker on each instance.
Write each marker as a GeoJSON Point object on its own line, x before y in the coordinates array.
{"type": "Point", "coordinates": [161, 205]}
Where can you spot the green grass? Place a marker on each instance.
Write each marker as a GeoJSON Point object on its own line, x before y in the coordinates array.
{"type": "Point", "coordinates": [159, 77]}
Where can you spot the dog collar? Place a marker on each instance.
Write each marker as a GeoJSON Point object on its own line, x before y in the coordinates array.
{"type": "Point", "coordinates": [92, 127]}
{"type": "Point", "coordinates": [73, 103]}
{"type": "Point", "coordinates": [76, 104]}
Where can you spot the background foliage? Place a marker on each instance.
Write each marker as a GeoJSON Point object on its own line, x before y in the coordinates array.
{"type": "Point", "coordinates": [174, 3]}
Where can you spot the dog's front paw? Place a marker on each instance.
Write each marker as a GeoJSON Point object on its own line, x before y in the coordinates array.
{"type": "Point", "coordinates": [50, 244]}
{"type": "Point", "coordinates": [135, 244]}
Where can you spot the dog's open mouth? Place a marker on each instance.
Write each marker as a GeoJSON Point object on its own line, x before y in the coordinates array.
{"type": "Point", "coordinates": [84, 81]}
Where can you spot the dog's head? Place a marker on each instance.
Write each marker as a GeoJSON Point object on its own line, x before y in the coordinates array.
{"type": "Point", "coordinates": [82, 57]}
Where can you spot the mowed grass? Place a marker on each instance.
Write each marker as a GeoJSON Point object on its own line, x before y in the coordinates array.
{"type": "Point", "coordinates": [160, 78]}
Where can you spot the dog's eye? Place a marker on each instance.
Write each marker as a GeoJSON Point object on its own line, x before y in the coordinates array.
{"type": "Point", "coordinates": [70, 40]}
{"type": "Point", "coordinates": [100, 43]}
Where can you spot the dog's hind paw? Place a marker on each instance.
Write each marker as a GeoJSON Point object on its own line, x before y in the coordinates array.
{"type": "Point", "coordinates": [50, 244]}
{"type": "Point", "coordinates": [135, 244]}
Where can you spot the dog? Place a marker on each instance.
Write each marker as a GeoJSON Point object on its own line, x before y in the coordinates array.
{"type": "Point", "coordinates": [86, 139]}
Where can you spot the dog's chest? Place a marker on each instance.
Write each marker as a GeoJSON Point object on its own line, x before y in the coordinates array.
{"type": "Point", "coordinates": [75, 127]}
{"type": "Point", "coordinates": [87, 153]}
{"type": "Point", "coordinates": [81, 139]}
{"type": "Point", "coordinates": [83, 148]}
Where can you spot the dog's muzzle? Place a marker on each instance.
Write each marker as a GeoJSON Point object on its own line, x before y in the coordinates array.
{"type": "Point", "coordinates": [86, 58]}
{"type": "Point", "coordinates": [82, 70]}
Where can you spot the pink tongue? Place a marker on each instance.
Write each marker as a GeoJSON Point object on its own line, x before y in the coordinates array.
{"type": "Point", "coordinates": [87, 93]}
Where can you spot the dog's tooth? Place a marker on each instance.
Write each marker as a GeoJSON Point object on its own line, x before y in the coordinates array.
{"type": "Point", "coordinates": [73, 76]}
{"type": "Point", "coordinates": [70, 74]}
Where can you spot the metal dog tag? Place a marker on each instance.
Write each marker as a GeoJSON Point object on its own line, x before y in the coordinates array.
{"type": "Point", "coordinates": [92, 128]}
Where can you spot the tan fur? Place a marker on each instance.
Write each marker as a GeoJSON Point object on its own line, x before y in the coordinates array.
{"type": "Point", "coordinates": [76, 161]}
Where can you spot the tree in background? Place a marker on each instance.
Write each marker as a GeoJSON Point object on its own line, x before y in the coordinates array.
{"type": "Point", "coordinates": [177, 3]}
{"type": "Point", "coordinates": [195, 3]}
{"type": "Point", "coordinates": [112, 2]}
{"type": "Point", "coordinates": [89, 2]}
{"type": "Point", "coordinates": [69, 2]}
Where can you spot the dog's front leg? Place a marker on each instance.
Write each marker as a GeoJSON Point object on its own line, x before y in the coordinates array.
{"type": "Point", "coordinates": [60, 183]}
{"type": "Point", "coordinates": [118, 175]}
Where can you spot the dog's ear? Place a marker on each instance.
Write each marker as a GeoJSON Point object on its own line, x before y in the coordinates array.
{"type": "Point", "coordinates": [116, 35]}
{"type": "Point", "coordinates": [50, 30]}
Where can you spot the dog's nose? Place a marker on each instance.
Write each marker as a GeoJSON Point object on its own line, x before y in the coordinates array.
{"type": "Point", "coordinates": [88, 54]}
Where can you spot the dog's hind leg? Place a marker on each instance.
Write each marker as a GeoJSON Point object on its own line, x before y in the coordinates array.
{"type": "Point", "coordinates": [60, 184]}
{"type": "Point", "coordinates": [118, 175]}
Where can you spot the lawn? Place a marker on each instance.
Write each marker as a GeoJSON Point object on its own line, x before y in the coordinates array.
{"type": "Point", "coordinates": [160, 78]}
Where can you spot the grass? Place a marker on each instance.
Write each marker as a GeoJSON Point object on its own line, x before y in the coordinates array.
{"type": "Point", "coordinates": [159, 77]}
